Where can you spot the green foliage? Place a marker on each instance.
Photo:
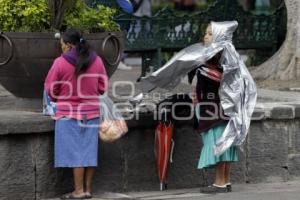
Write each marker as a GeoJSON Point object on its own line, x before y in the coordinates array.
{"type": "Point", "coordinates": [89, 19]}
{"type": "Point", "coordinates": [24, 15]}
{"type": "Point", "coordinates": [35, 16]}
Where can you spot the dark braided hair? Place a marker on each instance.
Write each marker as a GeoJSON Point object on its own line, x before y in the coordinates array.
{"type": "Point", "coordinates": [74, 37]}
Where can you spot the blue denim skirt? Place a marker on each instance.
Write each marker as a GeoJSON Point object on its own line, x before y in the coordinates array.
{"type": "Point", "coordinates": [76, 143]}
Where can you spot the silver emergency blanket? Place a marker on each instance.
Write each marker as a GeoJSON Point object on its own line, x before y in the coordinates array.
{"type": "Point", "coordinates": [237, 90]}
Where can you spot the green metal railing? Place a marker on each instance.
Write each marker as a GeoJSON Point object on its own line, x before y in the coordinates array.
{"type": "Point", "coordinates": [167, 31]}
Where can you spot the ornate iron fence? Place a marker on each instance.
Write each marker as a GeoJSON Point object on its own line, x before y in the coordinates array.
{"type": "Point", "coordinates": [170, 31]}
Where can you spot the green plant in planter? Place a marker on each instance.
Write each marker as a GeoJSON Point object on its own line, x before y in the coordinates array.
{"type": "Point", "coordinates": [49, 15]}
{"type": "Point", "coordinates": [88, 19]}
{"type": "Point", "coordinates": [24, 15]}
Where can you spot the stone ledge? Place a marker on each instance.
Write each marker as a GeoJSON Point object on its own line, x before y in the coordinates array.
{"type": "Point", "coordinates": [23, 122]}
{"type": "Point", "coordinates": [278, 110]}
{"type": "Point", "coordinates": [283, 112]}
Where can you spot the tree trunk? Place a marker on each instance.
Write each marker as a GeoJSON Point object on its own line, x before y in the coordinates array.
{"type": "Point", "coordinates": [58, 9]}
{"type": "Point", "coordinates": [285, 63]}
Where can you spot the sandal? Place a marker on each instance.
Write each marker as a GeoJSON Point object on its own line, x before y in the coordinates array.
{"type": "Point", "coordinates": [71, 196]}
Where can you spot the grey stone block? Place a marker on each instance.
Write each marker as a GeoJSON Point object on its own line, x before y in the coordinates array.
{"type": "Point", "coordinates": [183, 172]}
{"type": "Point", "coordinates": [50, 181]}
{"type": "Point", "coordinates": [296, 135]}
{"type": "Point", "coordinates": [239, 168]}
{"type": "Point", "coordinates": [17, 175]}
{"type": "Point", "coordinates": [258, 114]}
{"type": "Point", "coordinates": [297, 111]}
{"type": "Point", "coordinates": [283, 112]}
{"type": "Point", "coordinates": [139, 167]}
{"type": "Point", "coordinates": [142, 121]}
{"type": "Point", "coordinates": [109, 174]}
{"type": "Point", "coordinates": [14, 192]}
{"type": "Point", "coordinates": [208, 176]}
{"type": "Point", "coordinates": [294, 166]}
{"type": "Point", "coordinates": [267, 151]}
{"type": "Point", "coordinates": [293, 127]}
{"type": "Point", "coordinates": [22, 122]}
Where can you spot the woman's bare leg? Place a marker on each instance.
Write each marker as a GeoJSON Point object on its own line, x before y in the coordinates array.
{"type": "Point", "coordinates": [227, 172]}
{"type": "Point", "coordinates": [220, 174]}
{"type": "Point", "coordinates": [89, 174]}
{"type": "Point", "coordinates": [78, 181]}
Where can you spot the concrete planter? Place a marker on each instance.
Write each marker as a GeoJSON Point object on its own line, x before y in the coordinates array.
{"type": "Point", "coordinates": [32, 55]}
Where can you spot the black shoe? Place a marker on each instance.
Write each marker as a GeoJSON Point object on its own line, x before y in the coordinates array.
{"type": "Point", "coordinates": [229, 188]}
{"type": "Point", "coordinates": [213, 189]}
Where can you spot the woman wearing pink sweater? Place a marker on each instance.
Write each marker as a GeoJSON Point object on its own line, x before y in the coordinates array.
{"type": "Point", "coordinates": [74, 82]}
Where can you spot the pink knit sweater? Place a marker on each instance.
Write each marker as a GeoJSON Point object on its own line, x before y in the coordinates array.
{"type": "Point", "coordinates": [76, 97]}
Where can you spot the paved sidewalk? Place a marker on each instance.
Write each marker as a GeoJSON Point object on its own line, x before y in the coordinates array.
{"type": "Point", "coordinates": [269, 191]}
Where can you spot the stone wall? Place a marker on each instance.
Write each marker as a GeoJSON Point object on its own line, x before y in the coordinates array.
{"type": "Point", "coordinates": [271, 153]}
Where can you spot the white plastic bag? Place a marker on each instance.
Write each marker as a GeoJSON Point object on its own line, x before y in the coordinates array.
{"type": "Point", "coordinates": [49, 107]}
{"type": "Point", "coordinates": [112, 124]}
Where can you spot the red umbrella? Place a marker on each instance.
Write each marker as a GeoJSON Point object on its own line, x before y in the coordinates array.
{"type": "Point", "coordinates": [163, 143]}
{"type": "Point", "coordinates": [163, 150]}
